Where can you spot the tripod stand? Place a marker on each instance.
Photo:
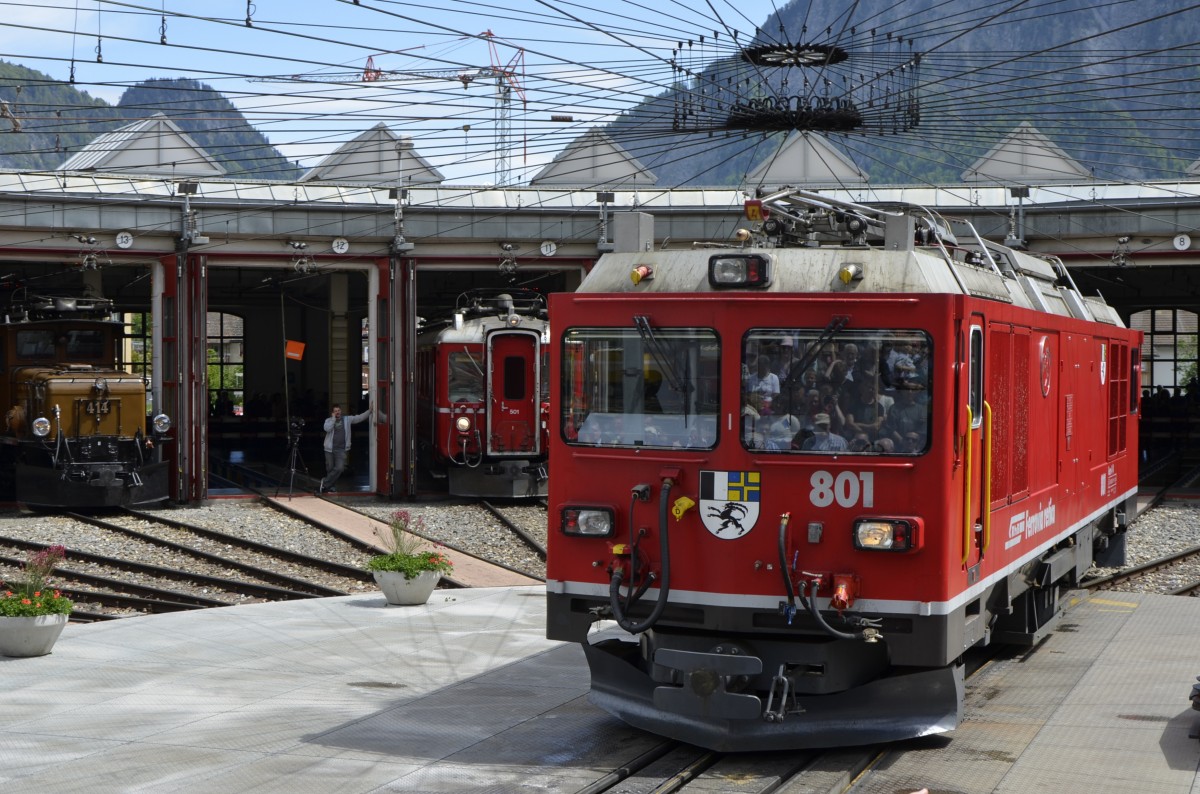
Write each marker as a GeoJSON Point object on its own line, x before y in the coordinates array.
{"type": "Point", "coordinates": [294, 457]}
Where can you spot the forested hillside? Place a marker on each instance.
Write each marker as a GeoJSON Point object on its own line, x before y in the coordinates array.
{"type": "Point", "coordinates": [45, 121]}
{"type": "Point", "coordinates": [1058, 65]}
{"type": "Point", "coordinates": [1111, 84]}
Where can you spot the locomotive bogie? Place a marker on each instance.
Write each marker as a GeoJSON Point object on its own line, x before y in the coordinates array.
{"type": "Point", "coordinates": [824, 484]}
{"type": "Point", "coordinates": [92, 485]}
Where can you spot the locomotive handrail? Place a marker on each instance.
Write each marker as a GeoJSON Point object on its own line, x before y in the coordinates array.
{"type": "Point", "coordinates": [986, 503]}
{"type": "Point", "coordinates": [950, 263]}
{"type": "Point", "coordinates": [968, 475]}
{"type": "Point", "coordinates": [980, 243]}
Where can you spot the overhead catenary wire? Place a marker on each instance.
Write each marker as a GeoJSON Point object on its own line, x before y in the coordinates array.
{"type": "Point", "coordinates": [972, 98]}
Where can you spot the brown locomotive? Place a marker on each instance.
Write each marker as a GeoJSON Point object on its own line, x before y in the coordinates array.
{"type": "Point", "coordinates": [75, 431]}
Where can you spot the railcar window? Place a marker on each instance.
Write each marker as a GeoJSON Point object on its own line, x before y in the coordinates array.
{"type": "Point", "coordinates": [514, 378]}
{"type": "Point", "coordinates": [35, 344]}
{"type": "Point", "coordinates": [466, 377]}
{"type": "Point", "coordinates": [623, 388]}
{"type": "Point", "coordinates": [975, 397]}
{"type": "Point", "coordinates": [805, 391]}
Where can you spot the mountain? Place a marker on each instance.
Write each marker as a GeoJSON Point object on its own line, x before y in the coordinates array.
{"type": "Point", "coordinates": [44, 121]}
{"type": "Point", "coordinates": [214, 122]}
{"type": "Point", "coordinates": [1111, 84]}
{"type": "Point", "coordinates": [936, 84]}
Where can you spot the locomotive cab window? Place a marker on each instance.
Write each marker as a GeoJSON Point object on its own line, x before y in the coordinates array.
{"type": "Point", "coordinates": [35, 344]}
{"type": "Point", "coordinates": [640, 387]}
{"type": "Point", "coordinates": [465, 373]}
{"type": "Point", "coordinates": [811, 391]}
{"type": "Point", "coordinates": [82, 345]}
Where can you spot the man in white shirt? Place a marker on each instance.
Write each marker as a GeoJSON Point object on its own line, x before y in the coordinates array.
{"type": "Point", "coordinates": [337, 443]}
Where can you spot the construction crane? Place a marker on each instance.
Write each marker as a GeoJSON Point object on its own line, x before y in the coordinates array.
{"type": "Point", "coordinates": [509, 79]}
{"type": "Point", "coordinates": [370, 73]}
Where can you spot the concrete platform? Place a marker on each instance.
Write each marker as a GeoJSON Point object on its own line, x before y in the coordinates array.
{"type": "Point", "coordinates": [335, 695]}
{"type": "Point", "coordinates": [466, 694]}
{"type": "Point", "coordinates": [1100, 706]}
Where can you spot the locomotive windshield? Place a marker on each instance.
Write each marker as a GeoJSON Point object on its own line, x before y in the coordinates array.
{"type": "Point", "coordinates": [465, 372]}
{"type": "Point", "coordinates": [626, 387]}
{"type": "Point", "coordinates": [85, 344]}
{"type": "Point", "coordinates": [808, 391]}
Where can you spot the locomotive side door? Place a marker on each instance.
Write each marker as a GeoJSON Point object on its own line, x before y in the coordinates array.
{"type": "Point", "coordinates": [974, 518]}
{"type": "Point", "coordinates": [513, 373]}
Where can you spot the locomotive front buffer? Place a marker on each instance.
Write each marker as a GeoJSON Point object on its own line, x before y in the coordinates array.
{"type": "Point", "coordinates": [801, 683]}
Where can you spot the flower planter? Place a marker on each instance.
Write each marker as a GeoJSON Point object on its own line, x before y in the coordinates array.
{"type": "Point", "coordinates": [33, 636]}
{"type": "Point", "coordinates": [407, 592]}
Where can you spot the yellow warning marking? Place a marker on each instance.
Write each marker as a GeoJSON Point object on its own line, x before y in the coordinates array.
{"type": "Point", "coordinates": [1106, 602]}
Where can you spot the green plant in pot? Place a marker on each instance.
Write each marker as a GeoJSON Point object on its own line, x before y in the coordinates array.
{"type": "Point", "coordinates": [32, 613]}
{"type": "Point", "coordinates": [410, 570]}
{"type": "Point", "coordinates": [31, 596]}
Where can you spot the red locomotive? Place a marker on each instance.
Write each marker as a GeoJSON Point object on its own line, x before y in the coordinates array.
{"type": "Point", "coordinates": [809, 471]}
{"type": "Point", "coordinates": [482, 395]}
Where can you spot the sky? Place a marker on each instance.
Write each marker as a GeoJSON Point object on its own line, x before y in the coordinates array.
{"type": "Point", "coordinates": [490, 91]}
{"type": "Point", "coordinates": [462, 79]}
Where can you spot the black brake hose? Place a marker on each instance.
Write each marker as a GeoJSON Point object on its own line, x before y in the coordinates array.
{"type": "Point", "coordinates": [816, 614]}
{"type": "Point", "coordinates": [811, 606]}
{"type": "Point", "coordinates": [783, 566]}
{"type": "Point", "coordinates": [614, 585]}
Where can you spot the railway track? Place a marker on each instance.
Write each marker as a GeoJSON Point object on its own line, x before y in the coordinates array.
{"type": "Point", "coordinates": [1124, 577]}
{"type": "Point", "coordinates": [480, 529]}
{"type": "Point", "coordinates": [527, 538]}
{"type": "Point", "coordinates": [665, 766]}
{"type": "Point", "coordinates": [139, 563]}
{"type": "Point", "coordinates": [1174, 573]}
{"type": "Point", "coordinates": [116, 594]}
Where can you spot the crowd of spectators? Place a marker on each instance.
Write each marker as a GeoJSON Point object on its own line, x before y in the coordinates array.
{"type": "Point", "coordinates": [1166, 418]}
{"type": "Point", "coordinates": [869, 396]}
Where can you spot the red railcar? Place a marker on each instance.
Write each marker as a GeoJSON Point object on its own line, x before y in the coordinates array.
{"type": "Point", "coordinates": [481, 395]}
{"type": "Point", "coordinates": [798, 478]}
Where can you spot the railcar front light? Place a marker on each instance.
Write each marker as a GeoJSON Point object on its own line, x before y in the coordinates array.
{"type": "Point", "coordinates": [728, 271]}
{"type": "Point", "coordinates": [887, 534]}
{"type": "Point", "coordinates": [162, 423]}
{"type": "Point", "coordinates": [462, 424]}
{"type": "Point", "coordinates": [596, 522]}
{"type": "Point", "coordinates": [41, 427]}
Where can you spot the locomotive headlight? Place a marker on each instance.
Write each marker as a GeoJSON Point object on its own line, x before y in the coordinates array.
{"type": "Point", "coordinates": [739, 270]}
{"type": "Point", "coordinates": [41, 427]}
{"type": "Point", "coordinates": [887, 534]}
{"type": "Point", "coordinates": [591, 521]}
{"type": "Point", "coordinates": [162, 423]}
{"type": "Point", "coordinates": [462, 424]}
